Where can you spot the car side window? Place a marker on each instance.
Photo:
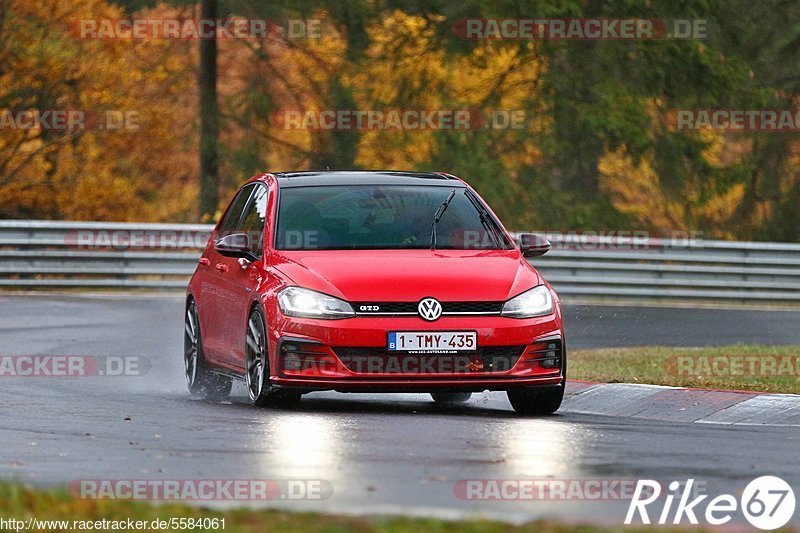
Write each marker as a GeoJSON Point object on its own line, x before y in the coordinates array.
{"type": "Point", "coordinates": [230, 222]}
{"type": "Point", "coordinates": [254, 219]}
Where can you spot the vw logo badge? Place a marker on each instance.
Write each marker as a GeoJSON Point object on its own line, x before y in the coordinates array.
{"type": "Point", "coordinates": [429, 308]}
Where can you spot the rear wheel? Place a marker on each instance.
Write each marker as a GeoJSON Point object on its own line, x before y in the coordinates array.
{"type": "Point", "coordinates": [257, 367]}
{"type": "Point", "coordinates": [200, 379]}
{"type": "Point", "coordinates": [451, 397]}
{"type": "Point", "coordinates": [536, 400]}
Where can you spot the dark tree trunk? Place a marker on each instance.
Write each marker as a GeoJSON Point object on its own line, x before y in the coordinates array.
{"type": "Point", "coordinates": [209, 117]}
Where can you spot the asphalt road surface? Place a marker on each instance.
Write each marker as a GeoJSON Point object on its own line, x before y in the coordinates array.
{"type": "Point", "coordinates": [375, 453]}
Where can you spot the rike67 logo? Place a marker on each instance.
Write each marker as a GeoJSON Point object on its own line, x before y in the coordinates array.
{"type": "Point", "coordinates": [767, 502]}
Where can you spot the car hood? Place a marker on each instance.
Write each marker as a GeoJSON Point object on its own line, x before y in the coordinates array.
{"type": "Point", "coordinates": [410, 275]}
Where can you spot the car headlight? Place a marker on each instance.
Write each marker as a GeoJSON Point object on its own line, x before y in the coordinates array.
{"type": "Point", "coordinates": [534, 302]}
{"type": "Point", "coordinates": [305, 303]}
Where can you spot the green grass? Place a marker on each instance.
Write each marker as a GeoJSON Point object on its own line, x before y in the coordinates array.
{"type": "Point", "coordinates": [19, 502]}
{"type": "Point", "coordinates": [660, 366]}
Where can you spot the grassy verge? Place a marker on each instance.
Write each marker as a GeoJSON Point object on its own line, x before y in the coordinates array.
{"type": "Point", "coordinates": [20, 502]}
{"type": "Point", "coordinates": [757, 368]}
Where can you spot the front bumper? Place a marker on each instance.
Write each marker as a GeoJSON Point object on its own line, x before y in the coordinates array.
{"type": "Point", "coordinates": [350, 355]}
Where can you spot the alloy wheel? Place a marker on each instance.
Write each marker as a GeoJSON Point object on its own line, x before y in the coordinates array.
{"type": "Point", "coordinates": [190, 345]}
{"type": "Point", "coordinates": [256, 358]}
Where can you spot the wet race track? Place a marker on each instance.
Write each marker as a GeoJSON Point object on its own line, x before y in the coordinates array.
{"type": "Point", "coordinates": [395, 453]}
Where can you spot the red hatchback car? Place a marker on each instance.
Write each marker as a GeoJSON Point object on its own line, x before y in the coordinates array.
{"type": "Point", "coordinates": [371, 282]}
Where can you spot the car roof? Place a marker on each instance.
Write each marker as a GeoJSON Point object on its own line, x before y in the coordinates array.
{"type": "Point", "coordinates": [364, 177]}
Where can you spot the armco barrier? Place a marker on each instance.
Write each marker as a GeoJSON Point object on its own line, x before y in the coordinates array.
{"type": "Point", "coordinates": [107, 255]}
{"type": "Point", "coordinates": [49, 254]}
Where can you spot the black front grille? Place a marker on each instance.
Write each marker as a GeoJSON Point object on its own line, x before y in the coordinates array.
{"type": "Point", "coordinates": [472, 307]}
{"type": "Point", "coordinates": [379, 360]}
{"type": "Point", "coordinates": [388, 308]}
{"type": "Point", "coordinates": [381, 308]}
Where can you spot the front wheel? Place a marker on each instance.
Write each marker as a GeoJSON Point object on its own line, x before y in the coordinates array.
{"type": "Point", "coordinates": [200, 379]}
{"type": "Point", "coordinates": [536, 400]}
{"type": "Point", "coordinates": [256, 375]}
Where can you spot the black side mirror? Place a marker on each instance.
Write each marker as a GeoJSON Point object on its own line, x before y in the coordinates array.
{"type": "Point", "coordinates": [532, 245]}
{"type": "Point", "coordinates": [235, 245]}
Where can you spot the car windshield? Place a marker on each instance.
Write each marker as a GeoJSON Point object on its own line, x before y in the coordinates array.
{"type": "Point", "coordinates": [340, 217]}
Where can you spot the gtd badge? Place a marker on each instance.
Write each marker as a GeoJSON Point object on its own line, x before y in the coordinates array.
{"type": "Point", "coordinates": [429, 308]}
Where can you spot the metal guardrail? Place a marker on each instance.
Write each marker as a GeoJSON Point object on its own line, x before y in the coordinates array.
{"type": "Point", "coordinates": [106, 255]}
{"type": "Point", "coordinates": [45, 254]}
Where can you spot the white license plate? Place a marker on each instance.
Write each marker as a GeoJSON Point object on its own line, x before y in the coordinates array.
{"type": "Point", "coordinates": [433, 341]}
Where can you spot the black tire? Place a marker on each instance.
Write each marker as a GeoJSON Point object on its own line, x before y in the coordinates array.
{"type": "Point", "coordinates": [451, 397]}
{"type": "Point", "coordinates": [257, 372]}
{"type": "Point", "coordinates": [201, 380]}
{"type": "Point", "coordinates": [536, 400]}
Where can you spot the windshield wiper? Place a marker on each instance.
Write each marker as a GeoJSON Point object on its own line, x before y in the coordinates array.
{"type": "Point", "coordinates": [486, 220]}
{"type": "Point", "coordinates": [438, 215]}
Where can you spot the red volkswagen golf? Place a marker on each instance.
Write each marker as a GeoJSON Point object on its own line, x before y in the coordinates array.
{"type": "Point", "coordinates": [371, 282]}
